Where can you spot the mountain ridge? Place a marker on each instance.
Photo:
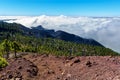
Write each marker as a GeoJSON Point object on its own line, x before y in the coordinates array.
{"type": "Point", "coordinates": [41, 32]}
{"type": "Point", "coordinates": [45, 41]}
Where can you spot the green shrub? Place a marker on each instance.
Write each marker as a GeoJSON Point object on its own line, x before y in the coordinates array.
{"type": "Point", "coordinates": [3, 62]}
{"type": "Point", "coordinates": [1, 54]}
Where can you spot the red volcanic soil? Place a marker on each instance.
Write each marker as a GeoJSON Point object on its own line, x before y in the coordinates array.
{"type": "Point", "coordinates": [48, 67]}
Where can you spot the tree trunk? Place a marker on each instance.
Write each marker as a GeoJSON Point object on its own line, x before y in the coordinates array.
{"type": "Point", "coordinates": [15, 54]}
{"type": "Point", "coordinates": [7, 55]}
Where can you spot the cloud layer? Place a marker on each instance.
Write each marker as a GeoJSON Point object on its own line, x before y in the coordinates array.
{"type": "Point", "coordinates": [106, 30]}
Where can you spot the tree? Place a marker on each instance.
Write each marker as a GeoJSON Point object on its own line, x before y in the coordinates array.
{"type": "Point", "coordinates": [6, 47]}
{"type": "Point", "coordinates": [15, 47]}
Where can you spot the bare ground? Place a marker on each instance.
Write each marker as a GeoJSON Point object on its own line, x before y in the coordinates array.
{"type": "Point", "coordinates": [48, 67]}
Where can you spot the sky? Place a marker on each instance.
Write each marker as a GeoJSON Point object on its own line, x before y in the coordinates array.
{"type": "Point", "coordinates": [60, 7]}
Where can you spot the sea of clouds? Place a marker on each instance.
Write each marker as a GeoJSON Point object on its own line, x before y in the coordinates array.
{"type": "Point", "coordinates": [105, 30]}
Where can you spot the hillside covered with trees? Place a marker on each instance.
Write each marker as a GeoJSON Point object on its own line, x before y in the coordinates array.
{"type": "Point", "coordinates": [14, 38]}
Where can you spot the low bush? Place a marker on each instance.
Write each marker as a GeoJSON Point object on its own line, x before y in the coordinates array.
{"type": "Point", "coordinates": [3, 62]}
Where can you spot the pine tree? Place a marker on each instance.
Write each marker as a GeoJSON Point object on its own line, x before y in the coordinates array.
{"type": "Point", "coordinates": [6, 47]}
{"type": "Point", "coordinates": [15, 47]}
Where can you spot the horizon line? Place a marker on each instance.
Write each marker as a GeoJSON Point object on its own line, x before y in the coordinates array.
{"type": "Point", "coordinates": [54, 16]}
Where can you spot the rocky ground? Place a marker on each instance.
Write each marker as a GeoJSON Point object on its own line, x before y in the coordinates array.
{"type": "Point", "coordinates": [47, 67]}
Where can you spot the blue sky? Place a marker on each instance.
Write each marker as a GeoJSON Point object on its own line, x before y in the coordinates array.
{"type": "Point", "coordinates": [60, 7]}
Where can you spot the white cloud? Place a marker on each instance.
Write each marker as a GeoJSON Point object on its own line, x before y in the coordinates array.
{"type": "Point", "coordinates": [105, 30]}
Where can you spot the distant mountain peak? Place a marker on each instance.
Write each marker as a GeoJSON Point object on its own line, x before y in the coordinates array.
{"type": "Point", "coordinates": [38, 27]}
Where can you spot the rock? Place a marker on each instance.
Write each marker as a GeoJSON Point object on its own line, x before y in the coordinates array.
{"type": "Point", "coordinates": [51, 72]}
{"type": "Point", "coordinates": [45, 55]}
{"type": "Point", "coordinates": [44, 64]}
{"type": "Point", "coordinates": [77, 61]}
{"type": "Point", "coordinates": [68, 75]}
{"type": "Point", "coordinates": [18, 75]}
{"type": "Point", "coordinates": [67, 61]}
{"type": "Point", "coordinates": [32, 72]}
{"type": "Point", "coordinates": [63, 72]}
{"type": "Point", "coordinates": [66, 79]}
{"type": "Point", "coordinates": [10, 76]}
{"type": "Point", "coordinates": [89, 64]}
{"type": "Point", "coordinates": [18, 78]}
{"type": "Point", "coordinates": [1, 69]}
{"type": "Point", "coordinates": [70, 58]}
{"type": "Point", "coordinates": [57, 78]}
{"type": "Point", "coordinates": [20, 67]}
{"type": "Point", "coordinates": [94, 63]}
